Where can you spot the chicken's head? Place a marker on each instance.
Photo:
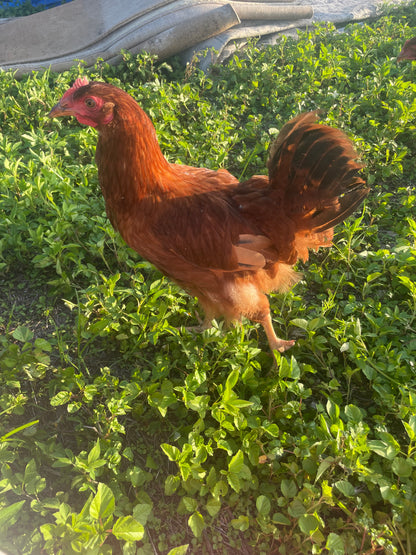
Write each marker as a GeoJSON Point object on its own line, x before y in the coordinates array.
{"type": "Point", "coordinates": [408, 51]}
{"type": "Point", "coordinates": [81, 102]}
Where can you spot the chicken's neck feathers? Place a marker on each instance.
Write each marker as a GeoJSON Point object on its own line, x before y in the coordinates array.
{"type": "Point", "coordinates": [130, 163]}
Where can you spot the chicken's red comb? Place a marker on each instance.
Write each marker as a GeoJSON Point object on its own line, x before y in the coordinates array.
{"type": "Point", "coordinates": [80, 82]}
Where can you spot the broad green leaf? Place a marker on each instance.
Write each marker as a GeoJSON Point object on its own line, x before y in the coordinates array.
{"type": "Point", "coordinates": [371, 277]}
{"type": "Point", "coordinates": [296, 508]}
{"type": "Point", "coordinates": [335, 544]}
{"type": "Point", "coordinates": [213, 506]}
{"type": "Point", "coordinates": [127, 529]}
{"type": "Point", "coordinates": [254, 454]}
{"type": "Point", "coordinates": [332, 410]}
{"type": "Point", "coordinates": [279, 518]}
{"type": "Point", "coordinates": [151, 463]}
{"type": "Point", "coordinates": [72, 408]}
{"type": "Point", "coordinates": [90, 391]}
{"type": "Point", "coordinates": [23, 334]}
{"type": "Point", "coordinates": [236, 464]}
{"type": "Point", "coordinates": [263, 505]}
{"type": "Point", "coordinates": [198, 403]}
{"type": "Point", "coordinates": [64, 512]}
{"type": "Point", "coordinates": [411, 427]}
{"type": "Point", "coordinates": [185, 470]}
{"type": "Point", "coordinates": [196, 524]}
{"type": "Point", "coordinates": [128, 454]}
{"type": "Point", "coordinates": [201, 454]}
{"type": "Point", "coordinates": [220, 489]}
{"type": "Point", "coordinates": [171, 451]}
{"type": "Point", "coordinates": [323, 467]}
{"type": "Point", "coordinates": [390, 494]}
{"type": "Point", "coordinates": [226, 445]}
{"type": "Point", "coordinates": [237, 471]}
{"type": "Point", "coordinates": [141, 512]}
{"type": "Point", "coordinates": [353, 413]}
{"type": "Point", "coordinates": [272, 429]}
{"type": "Point", "coordinates": [96, 327]}
{"type": "Point", "coordinates": [32, 481]}
{"type": "Point", "coordinates": [402, 467]}
{"type": "Point", "coordinates": [409, 284]}
{"type": "Point", "coordinates": [43, 344]}
{"type": "Point", "coordinates": [103, 503]}
{"type": "Point", "coordinates": [212, 477]}
{"type": "Point", "coordinates": [238, 403]}
{"type": "Point", "coordinates": [241, 523]}
{"type": "Point", "coordinates": [8, 514]}
{"type": "Point", "coordinates": [345, 488]}
{"type": "Point", "coordinates": [190, 504]}
{"type": "Point", "coordinates": [137, 476]}
{"type": "Point", "coordinates": [300, 323]}
{"type": "Point", "coordinates": [289, 488]}
{"type": "Point", "coordinates": [234, 481]}
{"type": "Point", "coordinates": [180, 550]}
{"type": "Point", "coordinates": [289, 369]}
{"type": "Point", "coordinates": [230, 383]}
{"type": "Point", "coordinates": [48, 531]}
{"type": "Point", "coordinates": [317, 537]}
{"type": "Point", "coordinates": [316, 323]}
{"type": "Point", "coordinates": [386, 450]}
{"type": "Point", "coordinates": [94, 454]}
{"type": "Point", "coordinates": [60, 398]}
{"type": "Point", "coordinates": [308, 524]}
{"type": "Point", "coordinates": [326, 491]}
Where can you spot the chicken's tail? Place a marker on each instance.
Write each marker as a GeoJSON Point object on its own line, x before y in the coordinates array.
{"type": "Point", "coordinates": [314, 172]}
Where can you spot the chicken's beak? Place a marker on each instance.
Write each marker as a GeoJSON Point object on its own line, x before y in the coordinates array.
{"type": "Point", "coordinates": [58, 110]}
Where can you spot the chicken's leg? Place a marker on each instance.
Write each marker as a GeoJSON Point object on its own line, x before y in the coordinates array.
{"type": "Point", "coordinates": [275, 342]}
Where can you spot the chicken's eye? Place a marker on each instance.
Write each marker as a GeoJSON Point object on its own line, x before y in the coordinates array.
{"type": "Point", "coordinates": [90, 102]}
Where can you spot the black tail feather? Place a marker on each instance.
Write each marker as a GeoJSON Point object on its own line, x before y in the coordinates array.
{"type": "Point", "coordinates": [313, 170]}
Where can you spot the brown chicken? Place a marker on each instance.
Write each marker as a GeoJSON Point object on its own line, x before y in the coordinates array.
{"type": "Point", "coordinates": [408, 51]}
{"type": "Point", "coordinates": [228, 243]}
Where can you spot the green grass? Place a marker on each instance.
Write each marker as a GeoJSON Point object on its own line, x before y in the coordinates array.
{"type": "Point", "coordinates": [120, 431]}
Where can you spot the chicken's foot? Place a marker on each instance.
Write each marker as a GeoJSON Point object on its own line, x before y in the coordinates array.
{"type": "Point", "coordinates": [275, 342]}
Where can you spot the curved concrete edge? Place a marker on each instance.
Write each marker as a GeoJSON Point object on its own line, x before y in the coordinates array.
{"type": "Point", "coordinates": [87, 30]}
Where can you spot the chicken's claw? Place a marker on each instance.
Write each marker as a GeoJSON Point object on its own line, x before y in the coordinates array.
{"type": "Point", "coordinates": [276, 344]}
{"type": "Point", "coordinates": [282, 345]}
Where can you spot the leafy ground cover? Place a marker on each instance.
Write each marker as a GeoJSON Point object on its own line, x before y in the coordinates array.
{"type": "Point", "coordinates": [122, 432]}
